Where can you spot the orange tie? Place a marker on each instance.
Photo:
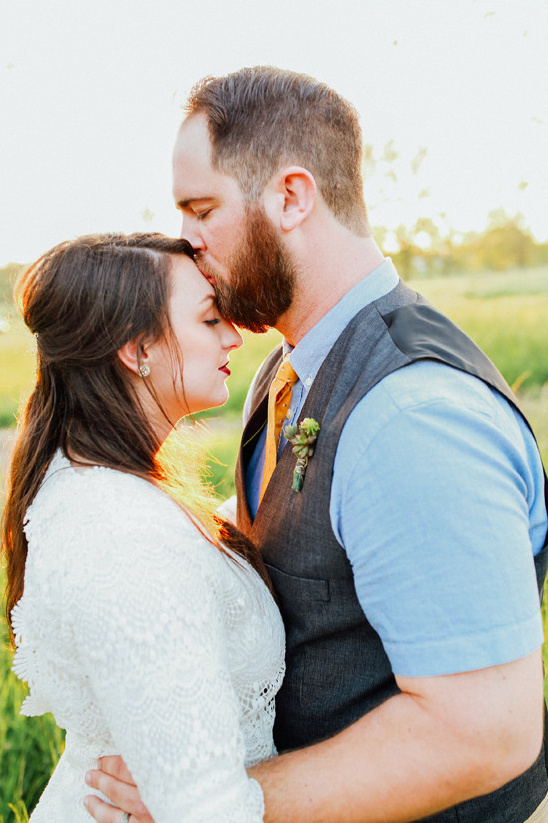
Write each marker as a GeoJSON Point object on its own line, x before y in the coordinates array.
{"type": "Point", "coordinates": [279, 396]}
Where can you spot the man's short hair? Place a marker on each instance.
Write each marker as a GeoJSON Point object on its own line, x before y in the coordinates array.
{"type": "Point", "coordinates": [263, 118]}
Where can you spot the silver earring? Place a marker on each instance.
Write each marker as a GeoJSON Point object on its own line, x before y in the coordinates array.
{"type": "Point", "coordinates": [144, 370]}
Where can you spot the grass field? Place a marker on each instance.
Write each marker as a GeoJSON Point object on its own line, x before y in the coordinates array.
{"type": "Point", "coordinates": [506, 313]}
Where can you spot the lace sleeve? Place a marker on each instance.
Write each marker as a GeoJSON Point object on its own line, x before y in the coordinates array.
{"type": "Point", "coordinates": [149, 629]}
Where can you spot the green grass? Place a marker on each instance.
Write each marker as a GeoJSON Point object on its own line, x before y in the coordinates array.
{"type": "Point", "coordinates": [506, 313]}
{"type": "Point", "coordinates": [17, 361]}
{"type": "Point", "coordinates": [29, 747]}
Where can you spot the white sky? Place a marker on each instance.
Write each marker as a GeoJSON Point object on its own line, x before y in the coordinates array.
{"type": "Point", "coordinates": [90, 96]}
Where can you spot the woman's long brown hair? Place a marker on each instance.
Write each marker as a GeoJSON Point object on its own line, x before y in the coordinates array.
{"type": "Point", "coordinates": [84, 300]}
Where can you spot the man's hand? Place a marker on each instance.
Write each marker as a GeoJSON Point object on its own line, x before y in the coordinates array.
{"type": "Point", "coordinates": [115, 782]}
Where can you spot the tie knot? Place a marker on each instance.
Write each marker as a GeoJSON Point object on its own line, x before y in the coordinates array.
{"type": "Point", "coordinates": [286, 374]}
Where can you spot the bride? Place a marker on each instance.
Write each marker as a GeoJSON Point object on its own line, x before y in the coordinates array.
{"type": "Point", "coordinates": [140, 619]}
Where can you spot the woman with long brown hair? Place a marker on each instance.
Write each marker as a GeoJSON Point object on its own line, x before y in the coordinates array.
{"type": "Point", "coordinates": [139, 617]}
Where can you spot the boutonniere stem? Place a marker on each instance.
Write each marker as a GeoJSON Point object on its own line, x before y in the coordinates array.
{"type": "Point", "coordinates": [302, 437]}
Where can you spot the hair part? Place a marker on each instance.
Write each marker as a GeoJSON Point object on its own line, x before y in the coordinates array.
{"type": "Point", "coordinates": [263, 118]}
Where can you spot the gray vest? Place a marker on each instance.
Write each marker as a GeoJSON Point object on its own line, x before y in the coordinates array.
{"type": "Point", "coordinates": [337, 669]}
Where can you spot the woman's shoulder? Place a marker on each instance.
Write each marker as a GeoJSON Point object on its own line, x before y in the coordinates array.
{"type": "Point", "coordinates": [100, 530]}
{"type": "Point", "coordinates": [97, 501]}
{"type": "Point", "coordinates": [94, 485]}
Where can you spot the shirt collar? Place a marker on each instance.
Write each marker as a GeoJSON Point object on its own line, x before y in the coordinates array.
{"type": "Point", "coordinates": [310, 352]}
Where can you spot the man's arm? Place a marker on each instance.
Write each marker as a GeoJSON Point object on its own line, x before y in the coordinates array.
{"type": "Point", "coordinates": [441, 741]}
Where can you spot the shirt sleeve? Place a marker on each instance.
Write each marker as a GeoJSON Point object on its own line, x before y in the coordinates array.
{"type": "Point", "coordinates": [152, 641]}
{"type": "Point", "coordinates": [431, 499]}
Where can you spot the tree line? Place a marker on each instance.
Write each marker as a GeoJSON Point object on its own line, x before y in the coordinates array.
{"type": "Point", "coordinates": [505, 244]}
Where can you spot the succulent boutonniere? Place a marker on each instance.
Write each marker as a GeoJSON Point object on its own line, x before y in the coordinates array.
{"type": "Point", "coordinates": [303, 437]}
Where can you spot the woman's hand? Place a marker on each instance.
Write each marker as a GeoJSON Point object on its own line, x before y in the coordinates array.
{"type": "Point", "coordinates": [114, 780]}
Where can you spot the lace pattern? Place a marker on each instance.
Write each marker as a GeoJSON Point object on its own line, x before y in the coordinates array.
{"type": "Point", "coordinates": [143, 639]}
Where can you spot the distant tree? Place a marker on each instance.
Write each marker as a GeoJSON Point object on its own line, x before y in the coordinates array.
{"type": "Point", "coordinates": [404, 258]}
{"type": "Point", "coordinates": [541, 254]}
{"type": "Point", "coordinates": [506, 243]}
{"type": "Point", "coordinates": [431, 245]}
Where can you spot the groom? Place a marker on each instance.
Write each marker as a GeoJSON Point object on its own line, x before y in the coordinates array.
{"type": "Point", "coordinates": [405, 568]}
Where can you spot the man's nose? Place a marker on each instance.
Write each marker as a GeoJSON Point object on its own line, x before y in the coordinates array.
{"type": "Point", "coordinates": [190, 232]}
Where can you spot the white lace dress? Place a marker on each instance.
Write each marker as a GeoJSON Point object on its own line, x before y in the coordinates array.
{"type": "Point", "coordinates": [143, 639]}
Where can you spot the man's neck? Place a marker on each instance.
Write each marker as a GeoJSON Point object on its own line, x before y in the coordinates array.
{"type": "Point", "coordinates": [324, 278]}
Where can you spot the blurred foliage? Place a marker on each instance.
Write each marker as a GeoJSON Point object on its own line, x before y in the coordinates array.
{"type": "Point", "coordinates": [506, 244]}
{"type": "Point", "coordinates": [397, 184]}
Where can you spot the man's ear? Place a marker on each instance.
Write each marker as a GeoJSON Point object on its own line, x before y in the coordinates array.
{"type": "Point", "coordinates": [133, 354]}
{"type": "Point", "coordinates": [295, 193]}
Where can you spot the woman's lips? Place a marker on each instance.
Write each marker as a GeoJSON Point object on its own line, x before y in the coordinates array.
{"type": "Point", "coordinates": [225, 370]}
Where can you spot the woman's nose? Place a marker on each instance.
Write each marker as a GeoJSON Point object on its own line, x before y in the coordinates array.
{"type": "Point", "coordinates": [233, 338]}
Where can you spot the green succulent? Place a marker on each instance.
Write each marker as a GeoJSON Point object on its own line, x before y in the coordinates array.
{"type": "Point", "coordinates": [303, 438]}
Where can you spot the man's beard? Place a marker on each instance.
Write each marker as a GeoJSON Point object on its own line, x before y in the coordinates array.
{"type": "Point", "coordinates": [262, 277]}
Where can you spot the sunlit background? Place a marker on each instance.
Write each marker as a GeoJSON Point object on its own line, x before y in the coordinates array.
{"type": "Point", "coordinates": [452, 94]}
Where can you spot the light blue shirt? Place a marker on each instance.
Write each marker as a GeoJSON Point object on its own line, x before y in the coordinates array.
{"type": "Point", "coordinates": [437, 498]}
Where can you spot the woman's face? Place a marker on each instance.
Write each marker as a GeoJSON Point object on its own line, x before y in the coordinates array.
{"type": "Point", "coordinates": [204, 339]}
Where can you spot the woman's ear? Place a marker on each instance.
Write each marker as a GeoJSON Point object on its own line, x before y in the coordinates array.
{"type": "Point", "coordinates": [294, 192]}
{"type": "Point", "coordinates": [133, 354]}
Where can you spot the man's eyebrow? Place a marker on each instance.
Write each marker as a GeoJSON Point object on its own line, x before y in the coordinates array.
{"type": "Point", "coordinates": [183, 204]}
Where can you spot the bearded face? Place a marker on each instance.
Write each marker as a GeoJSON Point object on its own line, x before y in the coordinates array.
{"type": "Point", "coordinates": [262, 277]}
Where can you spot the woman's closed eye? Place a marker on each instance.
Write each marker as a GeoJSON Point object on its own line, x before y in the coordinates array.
{"type": "Point", "coordinates": [212, 321]}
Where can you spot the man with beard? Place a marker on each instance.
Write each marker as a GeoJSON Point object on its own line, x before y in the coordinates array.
{"type": "Point", "coordinates": [407, 568]}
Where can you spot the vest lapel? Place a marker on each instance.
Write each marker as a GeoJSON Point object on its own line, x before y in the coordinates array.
{"type": "Point", "coordinates": [250, 435]}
